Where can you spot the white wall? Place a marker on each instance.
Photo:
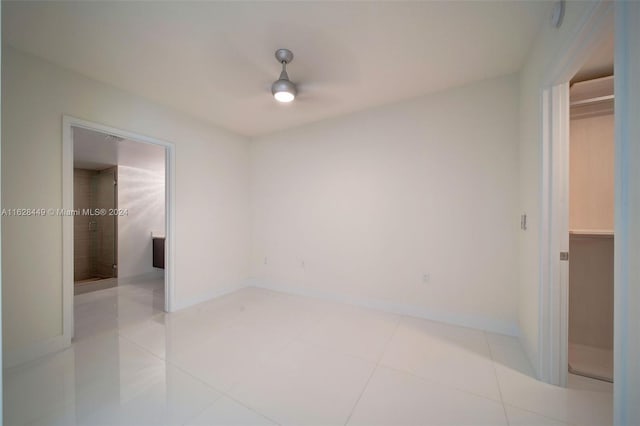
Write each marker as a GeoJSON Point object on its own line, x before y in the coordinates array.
{"type": "Point", "coordinates": [141, 193]}
{"type": "Point", "coordinates": [545, 54]}
{"type": "Point", "coordinates": [372, 201]}
{"type": "Point", "coordinates": [212, 194]}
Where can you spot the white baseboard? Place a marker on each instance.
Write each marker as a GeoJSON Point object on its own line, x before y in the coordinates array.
{"type": "Point", "coordinates": [25, 354]}
{"type": "Point", "coordinates": [468, 321]}
{"type": "Point", "coordinates": [179, 304]}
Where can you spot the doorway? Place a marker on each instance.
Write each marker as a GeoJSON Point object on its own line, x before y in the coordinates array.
{"type": "Point", "coordinates": [118, 187]}
{"type": "Point", "coordinates": [591, 221]}
{"type": "Point", "coordinates": [590, 45]}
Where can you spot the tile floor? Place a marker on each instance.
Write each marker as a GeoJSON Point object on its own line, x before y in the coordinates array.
{"type": "Point", "coordinates": [257, 357]}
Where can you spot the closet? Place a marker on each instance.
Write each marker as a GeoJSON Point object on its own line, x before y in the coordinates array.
{"type": "Point", "coordinates": [591, 220]}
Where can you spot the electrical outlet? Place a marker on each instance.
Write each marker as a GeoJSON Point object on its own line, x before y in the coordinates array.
{"type": "Point", "coordinates": [265, 260]}
{"type": "Point", "coordinates": [426, 278]}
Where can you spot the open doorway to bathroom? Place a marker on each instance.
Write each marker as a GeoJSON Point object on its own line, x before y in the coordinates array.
{"type": "Point", "coordinates": [119, 227]}
{"type": "Point", "coordinates": [119, 198]}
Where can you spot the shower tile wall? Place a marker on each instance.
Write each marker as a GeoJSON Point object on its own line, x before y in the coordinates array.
{"type": "Point", "coordinates": [94, 236]}
{"type": "Point", "coordinates": [83, 253]}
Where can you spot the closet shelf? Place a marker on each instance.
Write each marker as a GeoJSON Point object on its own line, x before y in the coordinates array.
{"type": "Point", "coordinates": [592, 232]}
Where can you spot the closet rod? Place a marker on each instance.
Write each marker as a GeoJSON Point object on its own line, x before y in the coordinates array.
{"type": "Point", "coordinates": [593, 100]}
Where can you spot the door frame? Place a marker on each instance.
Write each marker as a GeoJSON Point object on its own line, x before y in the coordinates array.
{"type": "Point", "coordinates": [68, 122]}
{"type": "Point", "coordinates": [554, 219]}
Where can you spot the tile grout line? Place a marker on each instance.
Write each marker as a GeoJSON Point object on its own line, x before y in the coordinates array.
{"type": "Point", "coordinates": [373, 371]}
{"type": "Point", "coordinates": [166, 361]}
{"type": "Point", "coordinates": [182, 370]}
{"type": "Point", "coordinates": [199, 413]}
{"type": "Point", "coordinates": [545, 416]}
{"type": "Point", "coordinates": [495, 373]}
{"type": "Point", "coordinates": [116, 330]}
{"type": "Point", "coordinates": [252, 409]}
{"type": "Point", "coordinates": [505, 404]}
{"type": "Point", "coordinates": [364, 388]}
{"type": "Point", "coordinates": [386, 345]}
{"type": "Point", "coordinates": [224, 395]}
{"type": "Point", "coordinates": [433, 381]}
{"type": "Point", "coordinates": [437, 382]}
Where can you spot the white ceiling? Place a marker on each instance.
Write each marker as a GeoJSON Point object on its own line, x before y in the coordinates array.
{"type": "Point", "coordinates": [214, 60]}
{"type": "Point", "coordinates": [97, 151]}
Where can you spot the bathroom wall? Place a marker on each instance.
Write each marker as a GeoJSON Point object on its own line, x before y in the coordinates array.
{"type": "Point", "coordinates": [141, 191]}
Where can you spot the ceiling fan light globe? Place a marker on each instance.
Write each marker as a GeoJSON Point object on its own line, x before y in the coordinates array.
{"type": "Point", "coordinates": [284, 90]}
{"type": "Point", "coordinates": [284, 97]}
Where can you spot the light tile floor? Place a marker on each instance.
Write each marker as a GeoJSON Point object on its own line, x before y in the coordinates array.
{"type": "Point", "coordinates": [256, 357]}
